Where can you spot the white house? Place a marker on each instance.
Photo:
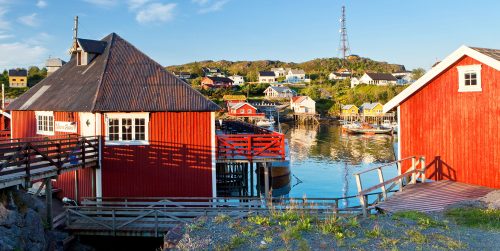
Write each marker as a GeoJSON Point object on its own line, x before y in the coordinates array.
{"type": "Point", "coordinates": [378, 79]}
{"type": "Point", "coordinates": [279, 72]}
{"type": "Point", "coordinates": [295, 76]}
{"type": "Point", "coordinates": [303, 104]}
{"type": "Point", "coordinates": [53, 64]}
{"type": "Point", "coordinates": [238, 80]}
{"type": "Point", "coordinates": [338, 76]}
{"type": "Point", "coordinates": [267, 77]}
{"type": "Point", "coordinates": [182, 75]}
{"type": "Point", "coordinates": [403, 77]}
{"type": "Point", "coordinates": [354, 82]}
{"type": "Point", "coordinates": [278, 92]}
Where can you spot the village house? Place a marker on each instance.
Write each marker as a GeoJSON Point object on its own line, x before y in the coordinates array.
{"type": "Point", "coordinates": [303, 104]}
{"type": "Point", "coordinates": [338, 76]}
{"type": "Point", "coordinates": [216, 82]}
{"type": "Point", "coordinates": [158, 133]}
{"type": "Point", "coordinates": [295, 76]}
{"type": "Point", "coordinates": [349, 110]}
{"type": "Point", "coordinates": [18, 78]}
{"type": "Point", "coordinates": [370, 78]}
{"type": "Point", "coordinates": [182, 75]}
{"type": "Point", "coordinates": [237, 80]}
{"type": "Point", "coordinates": [53, 64]}
{"type": "Point", "coordinates": [403, 77]}
{"type": "Point", "coordinates": [244, 109]}
{"type": "Point", "coordinates": [212, 72]}
{"type": "Point", "coordinates": [462, 142]}
{"type": "Point", "coordinates": [278, 92]}
{"type": "Point", "coordinates": [371, 109]}
{"type": "Point", "coordinates": [354, 82]}
{"type": "Point", "coordinates": [280, 71]}
{"type": "Point", "coordinates": [267, 77]}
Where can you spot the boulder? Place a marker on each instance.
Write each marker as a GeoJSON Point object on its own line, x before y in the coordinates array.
{"type": "Point", "coordinates": [492, 199]}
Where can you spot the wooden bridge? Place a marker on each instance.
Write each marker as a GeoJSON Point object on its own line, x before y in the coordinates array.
{"type": "Point", "coordinates": [153, 217]}
{"type": "Point", "coordinates": [412, 191]}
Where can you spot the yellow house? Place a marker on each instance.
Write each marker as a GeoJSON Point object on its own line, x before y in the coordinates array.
{"type": "Point", "coordinates": [18, 78]}
{"type": "Point", "coordinates": [372, 109]}
{"type": "Point", "coordinates": [350, 110]}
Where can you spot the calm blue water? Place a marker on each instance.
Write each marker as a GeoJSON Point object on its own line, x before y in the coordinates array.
{"type": "Point", "coordinates": [323, 160]}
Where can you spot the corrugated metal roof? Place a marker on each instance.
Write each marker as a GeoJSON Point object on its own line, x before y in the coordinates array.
{"type": "Point", "coordinates": [120, 79]}
{"type": "Point", "coordinates": [493, 53]}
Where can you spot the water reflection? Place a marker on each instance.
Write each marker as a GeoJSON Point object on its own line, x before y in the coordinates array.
{"type": "Point", "coordinates": [323, 159]}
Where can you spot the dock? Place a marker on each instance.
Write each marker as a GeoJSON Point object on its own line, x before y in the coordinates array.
{"type": "Point", "coordinates": [431, 196]}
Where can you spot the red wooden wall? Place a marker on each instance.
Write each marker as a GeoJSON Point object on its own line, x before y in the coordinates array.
{"type": "Point", "coordinates": [24, 125]}
{"type": "Point", "coordinates": [457, 132]}
{"type": "Point", "coordinates": [177, 162]}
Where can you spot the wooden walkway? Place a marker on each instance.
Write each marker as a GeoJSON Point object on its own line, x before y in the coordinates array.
{"type": "Point", "coordinates": [431, 196]}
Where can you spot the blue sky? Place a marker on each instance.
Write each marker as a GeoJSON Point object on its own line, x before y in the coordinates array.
{"type": "Point", "coordinates": [413, 33]}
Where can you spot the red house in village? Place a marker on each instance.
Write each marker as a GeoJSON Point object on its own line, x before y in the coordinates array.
{"type": "Point", "coordinates": [158, 132]}
{"type": "Point", "coordinates": [216, 82]}
{"type": "Point", "coordinates": [243, 109]}
{"type": "Point", "coordinates": [451, 116]}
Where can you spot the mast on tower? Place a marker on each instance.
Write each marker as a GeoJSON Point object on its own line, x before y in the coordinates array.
{"type": "Point", "coordinates": [344, 42]}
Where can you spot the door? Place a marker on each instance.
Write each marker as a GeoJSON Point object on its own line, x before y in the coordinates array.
{"type": "Point", "coordinates": [87, 124]}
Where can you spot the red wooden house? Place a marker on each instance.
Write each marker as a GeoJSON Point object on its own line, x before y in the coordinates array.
{"type": "Point", "coordinates": [451, 116]}
{"type": "Point", "coordinates": [158, 132]}
{"type": "Point", "coordinates": [243, 109]}
{"type": "Point", "coordinates": [216, 82]}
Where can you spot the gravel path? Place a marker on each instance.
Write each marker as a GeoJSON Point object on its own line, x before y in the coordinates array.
{"type": "Point", "coordinates": [382, 232]}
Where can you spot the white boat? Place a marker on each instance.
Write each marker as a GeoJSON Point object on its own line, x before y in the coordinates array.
{"type": "Point", "coordinates": [387, 124]}
{"type": "Point", "coordinates": [266, 122]}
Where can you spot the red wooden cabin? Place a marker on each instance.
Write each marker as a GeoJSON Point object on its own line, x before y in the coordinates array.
{"type": "Point", "coordinates": [216, 82]}
{"type": "Point", "coordinates": [158, 132]}
{"type": "Point", "coordinates": [451, 116]}
{"type": "Point", "coordinates": [243, 109]}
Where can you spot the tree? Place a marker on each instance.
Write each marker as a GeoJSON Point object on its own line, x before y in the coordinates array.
{"type": "Point", "coordinates": [417, 73]}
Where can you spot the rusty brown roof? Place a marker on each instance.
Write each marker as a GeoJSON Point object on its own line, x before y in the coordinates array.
{"type": "Point", "coordinates": [122, 78]}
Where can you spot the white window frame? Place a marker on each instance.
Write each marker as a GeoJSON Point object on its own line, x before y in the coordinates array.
{"type": "Point", "coordinates": [130, 115]}
{"type": "Point", "coordinates": [462, 70]}
{"type": "Point", "coordinates": [45, 113]}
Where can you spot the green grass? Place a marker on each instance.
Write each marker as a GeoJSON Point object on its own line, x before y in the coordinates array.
{"type": "Point", "coordinates": [416, 237]}
{"type": "Point", "coordinates": [475, 217]}
{"type": "Point", "coordinates": [423, 220]}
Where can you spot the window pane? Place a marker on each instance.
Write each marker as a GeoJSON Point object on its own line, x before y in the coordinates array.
{"type": "Point", "coordinates": [140, 129]}
{"type": "Point", "coordinates": [51, 123]}
{"type": "Point", "coordinates": [113, 129]}
{"type": "Point", "coordinates": [473, 82]}
{"type": "Point", "coordinates": [126, 129]}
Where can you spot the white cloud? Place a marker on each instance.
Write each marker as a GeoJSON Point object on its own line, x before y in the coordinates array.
{"type": "Point", "coordinates": [215, 6]}
{"type": "Point", "coordinates": [135, 4]}
{"type": "Point", "coordinates": [21, 55]}
{"type": "Point", "coordinates": [103, 3]}
{"type": "Point", "coordinates": [41, 4]}
{"type": "Point", "coordinates": [156, 12]}
{"type": "Point", "coordinates": [3, 35]}
{"type": "Point", "coordinates": [4, 24]}
{"type": "Point", "coordinates": [29, 20]}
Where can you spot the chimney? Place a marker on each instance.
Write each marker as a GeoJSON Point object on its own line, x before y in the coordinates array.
{"type": "Point", "coordinates": [53, 64]}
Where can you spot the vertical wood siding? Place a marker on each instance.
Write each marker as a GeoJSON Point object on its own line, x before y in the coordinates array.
{"type": "Point", "coordinates": [457, 132]}
{"type": "Point", "coordinates": [24, 126]}
{"type": "Point", "coordinates": [177, 162]}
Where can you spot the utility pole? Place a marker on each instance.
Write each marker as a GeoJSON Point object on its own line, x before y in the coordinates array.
{"type": "Point", "coordinates": [75, 29]}
{"type": "Point", "coordinates": [344, 42]}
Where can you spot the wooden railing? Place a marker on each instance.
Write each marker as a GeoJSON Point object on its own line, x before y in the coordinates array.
{"type": "Point", "coordinates": [387, 186]}
{"type": "Point", "coordinates": [252, 146]}
{"type": "Point", "coordinates": [4, 134]}
{"type": "Point", "coordinates": [152, 216]}
{"type": "Point", "coordinates": [23, 158]}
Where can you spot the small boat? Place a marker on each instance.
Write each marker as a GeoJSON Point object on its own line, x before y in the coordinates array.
{"type": "Point", "coordinates": [266, 122]}
{"type": "Point", "coordinates": [387, 124]}
{"type": "Point", "coordinates": [368, 129]}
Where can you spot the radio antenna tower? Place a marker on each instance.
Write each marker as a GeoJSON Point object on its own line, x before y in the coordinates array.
{"type": "Point", "coordinates": [344, 42]}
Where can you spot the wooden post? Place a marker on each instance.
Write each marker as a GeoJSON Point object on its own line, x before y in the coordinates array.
{"type": "Point", "coordinates": [400, 181]}
{"type": "Point", "coordinates": [28, 167]}
{"type": "Point", "coordinates": [59, 164]}
{"type": "Point", "coordinates": [48, 202]}
{"type": "Point", "coordinates": [76, 186]}
{"type": "Point", "coordinates": [362, 200]}
{"type": "Point", "coordinates": [251, 178]}
{"type": "Point", "coordinates": [423, 167]}
{"type": "Point", "coordinates": [266, 179]}
{"type": "Point", "coordinates": [381, 179]}
{"type": "Point", "coordinates": [413, 167]}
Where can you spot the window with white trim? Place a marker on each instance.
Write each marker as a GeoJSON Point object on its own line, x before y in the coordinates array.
{"type": "Point", "coordinates": [469, 78]}
{"type": "Point", "coordinates": [44, 122]}
{"type": "Point", "coordinates": [127, 128]}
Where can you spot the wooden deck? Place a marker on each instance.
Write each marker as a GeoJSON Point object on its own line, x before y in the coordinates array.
{"type": "Point", "coordinates": [431, 197]}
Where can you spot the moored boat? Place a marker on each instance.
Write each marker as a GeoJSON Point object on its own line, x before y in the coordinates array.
{"type": "Point", "coordinates": [369, 131]}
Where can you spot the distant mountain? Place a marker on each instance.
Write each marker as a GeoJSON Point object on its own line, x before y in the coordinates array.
{"type": "Point", "coordinates": [315, 68]}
